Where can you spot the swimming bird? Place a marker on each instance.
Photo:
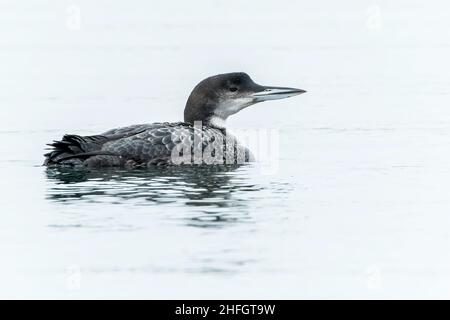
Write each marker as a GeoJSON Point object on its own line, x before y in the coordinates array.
{"type": "Point", "coordinates": [202, 138]}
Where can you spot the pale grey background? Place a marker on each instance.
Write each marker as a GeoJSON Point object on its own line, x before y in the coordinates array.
{"type": "Point", "coordinates": [359, 207]}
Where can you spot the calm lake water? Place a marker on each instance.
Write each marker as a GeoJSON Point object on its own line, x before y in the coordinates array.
{"type": "Point", "coordinates": [357, 208]}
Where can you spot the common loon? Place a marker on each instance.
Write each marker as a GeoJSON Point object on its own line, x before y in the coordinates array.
{"type": "Point", "coordinates": [202, 133]}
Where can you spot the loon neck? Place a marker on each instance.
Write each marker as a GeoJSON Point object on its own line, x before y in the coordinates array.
{"type": "Point", "coordinates": [216, 122]}
{"type": "Point", "coordinates": [206, 115]}
{"type": "Point", "coordinates": [211, 122]}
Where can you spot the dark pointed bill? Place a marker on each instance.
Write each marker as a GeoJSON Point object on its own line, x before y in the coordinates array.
{"type": "Point", "coordinates": [272, 93]}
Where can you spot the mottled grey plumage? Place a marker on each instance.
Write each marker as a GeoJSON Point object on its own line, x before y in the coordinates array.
{"type": "Point", "coordinates": [147, 144]}
{"type": "Point", "coordinates": [211, 102]}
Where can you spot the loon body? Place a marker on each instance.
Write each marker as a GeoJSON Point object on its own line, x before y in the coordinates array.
{"type": "Point", "coordinates": [201, 139]}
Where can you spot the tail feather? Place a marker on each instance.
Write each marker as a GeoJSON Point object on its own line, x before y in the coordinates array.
{"type": "Point", "coordinates": [73, 146]}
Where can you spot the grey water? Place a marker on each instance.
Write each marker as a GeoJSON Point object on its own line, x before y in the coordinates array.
{"type": "Point", "coordinates": [357, 206]}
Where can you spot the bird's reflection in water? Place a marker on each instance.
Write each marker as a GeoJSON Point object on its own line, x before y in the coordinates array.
{"type": "Point", "coordinates": [211, 196]}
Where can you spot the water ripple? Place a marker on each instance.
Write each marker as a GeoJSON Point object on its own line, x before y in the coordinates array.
{"type": "Point", "coordinates": [210, 196]}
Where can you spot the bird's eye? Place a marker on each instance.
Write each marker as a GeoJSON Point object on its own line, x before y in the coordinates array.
{"type": "Point", "coordinates": [233, 89]}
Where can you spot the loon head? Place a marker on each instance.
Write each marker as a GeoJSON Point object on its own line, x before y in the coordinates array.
{"type": "Point", "coordinates": [216, 98]}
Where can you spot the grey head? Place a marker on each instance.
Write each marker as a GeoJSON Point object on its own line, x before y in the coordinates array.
{"type": "Point", "coordinates": [216, 98]}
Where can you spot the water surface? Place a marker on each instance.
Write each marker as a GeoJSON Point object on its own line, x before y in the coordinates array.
{"type": "Point", "coordinates": [358, 207]}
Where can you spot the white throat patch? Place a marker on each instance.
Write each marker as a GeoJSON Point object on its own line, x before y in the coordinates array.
{"type": "Point", "coordinates": [228, 107]}
{"type": "Point", "coordinates": [218, 122]}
